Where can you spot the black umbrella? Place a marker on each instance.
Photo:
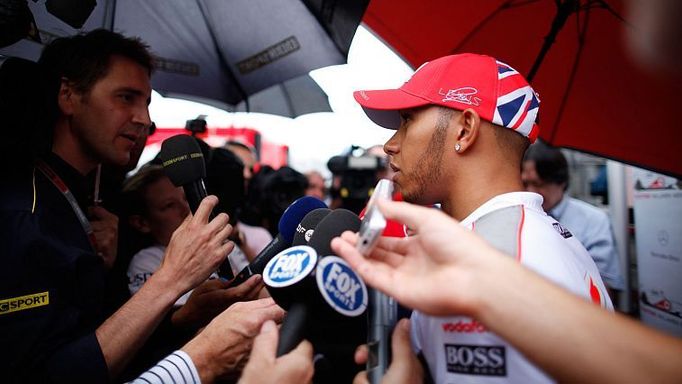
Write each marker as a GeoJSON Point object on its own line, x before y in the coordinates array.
{"type": "Point", "coordinates": [214, 51]}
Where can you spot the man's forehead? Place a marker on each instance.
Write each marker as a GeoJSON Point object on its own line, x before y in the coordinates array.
{"type": "Point", "coordinates": [129, 73]}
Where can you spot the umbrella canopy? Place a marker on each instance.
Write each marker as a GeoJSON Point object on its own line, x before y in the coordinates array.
{"type": "Point", "coordinates": [594, 98]}
{"type": "Point", "coordinates": [215, 51]}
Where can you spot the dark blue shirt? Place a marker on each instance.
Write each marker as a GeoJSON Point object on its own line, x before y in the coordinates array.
{"type": "Point", "coordinates": [51, 282]}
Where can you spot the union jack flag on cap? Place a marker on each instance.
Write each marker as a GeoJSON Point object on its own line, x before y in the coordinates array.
{"type": "Point", "coordinates": [495, 90]}
{"type": "Point", "coordinates": [517, 103]}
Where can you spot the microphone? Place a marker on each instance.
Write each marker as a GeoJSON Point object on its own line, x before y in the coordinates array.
{"type": "Point", "coordinates": [306, 228]}
{"type": "Point", "coordinates": [309, 282]}
{"type": "Point", "coordinates": [184, 164]}
{"type": "Point", "coordinates": [288, 224]}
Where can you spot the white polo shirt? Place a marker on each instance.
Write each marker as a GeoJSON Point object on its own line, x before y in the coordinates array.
{"type": "Point", "coordinates": [458, 349]}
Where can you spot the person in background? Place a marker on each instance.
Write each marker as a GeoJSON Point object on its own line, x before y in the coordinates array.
{"type": "Point", "coordinates": [545, 171]}
{"type": "Point", "coordinates": [280, 188]}
{"type": "Point", "coordinates": [248, 156]}
{"type": "Point", "coordinates": [155, 208]}
{"type": "Point", "coordinates": [316, 185]}
{"type": "Point", "coordinates": [256, 237]}
{"type": "Point", "coordinates": [386, 172]}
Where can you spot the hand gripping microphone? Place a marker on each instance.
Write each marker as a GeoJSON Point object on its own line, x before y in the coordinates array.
{"type": "Point", "coordinates": [184, 164]}
{"type": "Point", "coordinates": [310, 284]}
{"type": "Point", "coordinates": [288, 224]}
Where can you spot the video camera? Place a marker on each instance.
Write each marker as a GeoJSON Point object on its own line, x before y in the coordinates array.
{"type": "Point", "coordinates": [197, 125]}
{"type": "Point", "coordinates": [358, 175]}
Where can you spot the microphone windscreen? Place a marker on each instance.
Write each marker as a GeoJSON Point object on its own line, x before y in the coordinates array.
{"type": "Point", "coordinates": [333, 225]}
{"type": "Point", "coordinates": [306, 228]}
{"type": "Point", "coordinates": [182, 160]}
{"type": "Point", "coordinates": [295, 213]}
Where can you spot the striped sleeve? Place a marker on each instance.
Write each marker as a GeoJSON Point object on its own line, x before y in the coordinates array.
{"type": "Point", "coordinates": [176, 368]}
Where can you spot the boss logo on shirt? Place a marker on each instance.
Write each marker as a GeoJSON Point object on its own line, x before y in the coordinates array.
{"type": "Point", "coordinates": [484, 360]}
{"type": "Point", "coordinates": [563, 231]}
{"type": "Point", "coordinates": [20, 303]}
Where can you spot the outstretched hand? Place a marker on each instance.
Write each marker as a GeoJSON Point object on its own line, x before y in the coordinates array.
{"type": "Point", "coordinates": [222, 349]}
{"type": "Point", "coordinates": [416, 269]}
{"type": "Point", "coordinates": [295, 367]}
{"type": "Point", "coordinates": [212, 297]}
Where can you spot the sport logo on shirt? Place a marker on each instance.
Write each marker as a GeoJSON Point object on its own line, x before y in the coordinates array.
{"type": "Point", "coordinates": [484, 360]}
{"type": "Point", "coordinates": [563, 231]}
{"type": "Point", "coordinates": [21, 303]}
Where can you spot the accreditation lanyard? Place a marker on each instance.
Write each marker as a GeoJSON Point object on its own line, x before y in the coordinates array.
{"type": "Point", "coordinates": [61, 186]}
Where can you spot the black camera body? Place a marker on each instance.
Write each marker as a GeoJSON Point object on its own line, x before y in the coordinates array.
{"type": "Point", "coordinates": [358, 176]}
{"type": "Point", "coordinates": [197, 125]}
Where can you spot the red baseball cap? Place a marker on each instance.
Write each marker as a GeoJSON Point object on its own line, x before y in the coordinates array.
{"type": "Point", "coordinates": [497, 92]}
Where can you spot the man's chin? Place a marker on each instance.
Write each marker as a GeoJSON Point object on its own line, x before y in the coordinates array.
{"type": "Point", "coordinates": [118, 160]}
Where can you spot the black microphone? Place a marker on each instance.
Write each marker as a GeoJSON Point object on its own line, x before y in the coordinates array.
{"type": "Point", "coordinates": [184, 164]}
{"type": "Point", "coordinates": [306, 228]}
{"type": "Point", "coordinates": [305, 281]}
{"type": "Point", "coordinates": [288, 224]}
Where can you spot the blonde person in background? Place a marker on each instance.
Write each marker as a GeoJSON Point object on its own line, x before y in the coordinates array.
{"type": "Point", "coordinates": [155, 208]}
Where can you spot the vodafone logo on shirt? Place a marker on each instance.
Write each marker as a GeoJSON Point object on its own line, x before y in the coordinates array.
{"type": "Point", "coordinates": [464, 326]}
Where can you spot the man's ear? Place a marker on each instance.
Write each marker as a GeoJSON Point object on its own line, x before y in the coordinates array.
{"type": "Point", "coordinates": [66, 97]}
{"type": "Point", "coordinates": [139, 223]}
{"type": "Point", "coordinates": [468, 128]}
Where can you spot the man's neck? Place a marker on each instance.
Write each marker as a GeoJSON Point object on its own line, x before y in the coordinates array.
{"type": "Point", "coordinates": [472, 192]}
{"type": "Point", "coordinates": [68, 149]}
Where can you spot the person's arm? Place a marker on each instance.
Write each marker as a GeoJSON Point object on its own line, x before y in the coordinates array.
{"type": "Point", "coordinates": [196, 249]}
{"type": "Point", "coordinates": [446, 270]}
{"type": "Point", "coordinates": [222, 348]}
{"type": "Point", "coordinates": [571, 339]}
{"type": "Point", "coordinates": [211, 298]}
{"type": "Point", "coordinates": [176, 368]}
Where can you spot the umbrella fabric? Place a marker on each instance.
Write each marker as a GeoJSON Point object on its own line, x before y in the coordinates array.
{"type": "Point", "coordinates": [594, 98]}
{"type": "Point", "coordinates": [292, 98]}
{"type": "Point", "coordinates": [220, 51]}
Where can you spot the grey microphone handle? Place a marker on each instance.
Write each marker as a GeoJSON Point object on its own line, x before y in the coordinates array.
{"type": "Point", "coordinates": [382, 318]}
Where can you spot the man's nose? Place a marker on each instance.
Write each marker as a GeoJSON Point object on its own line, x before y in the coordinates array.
{"type": "Point", "coordinates": [141, 117]}
{"type": "Point", "coordinates": [391, 147]}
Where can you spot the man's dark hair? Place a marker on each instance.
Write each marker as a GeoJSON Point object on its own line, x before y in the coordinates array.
{"type": "Point", "coordinates": [84, 59]}
{"type": "Point", "coordinates": [550, 164]}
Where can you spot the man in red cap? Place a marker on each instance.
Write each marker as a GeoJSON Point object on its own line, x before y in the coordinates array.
{"type": "Point", "coordinates": [463, 123]}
